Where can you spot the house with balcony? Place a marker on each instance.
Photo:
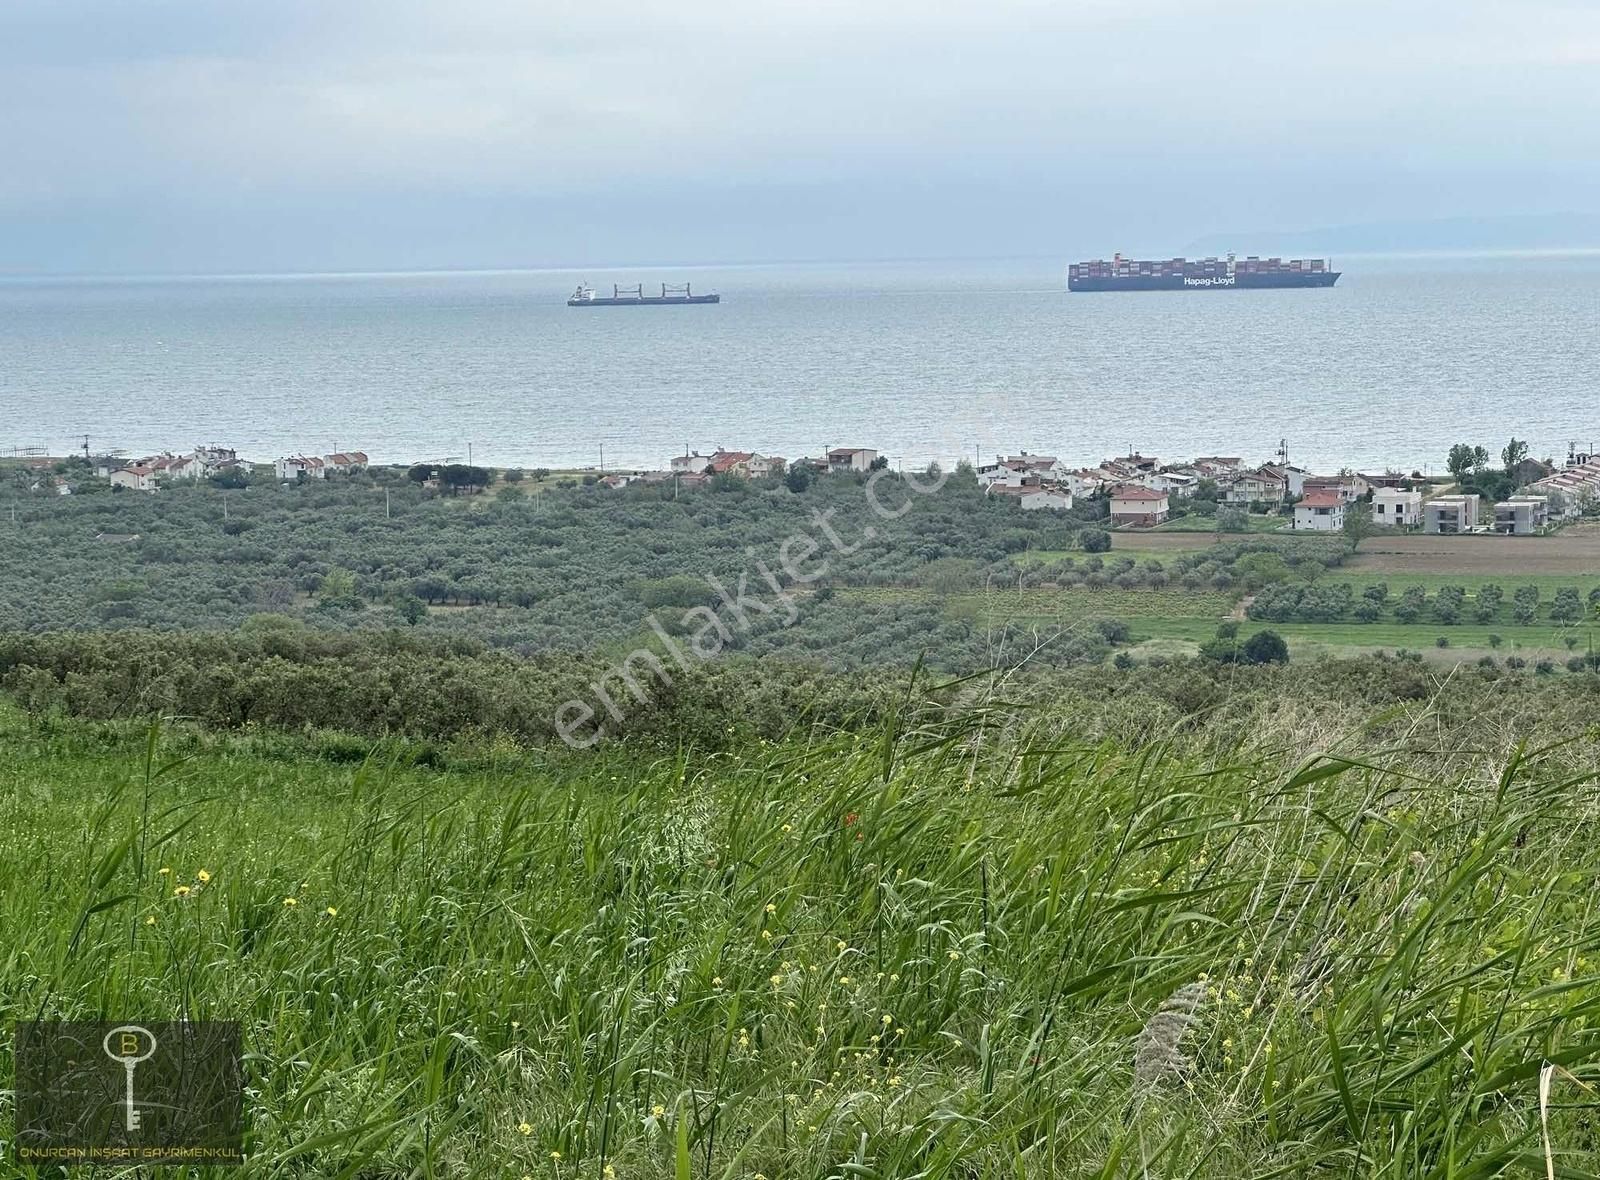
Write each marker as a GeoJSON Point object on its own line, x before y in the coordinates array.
{"type": "Point", "coordinates": [1522, 516]}
{"type": "Point", "coordinates": [851, 458]}
{"type": "Point", "coordinates": [1396, 508]}
{"type": "Point", "coordinates": [1451, 514]}
{"type": "Point", "coordinates": [1136, 505]}
{"type": "Point", "coordinates": [1265, 485]}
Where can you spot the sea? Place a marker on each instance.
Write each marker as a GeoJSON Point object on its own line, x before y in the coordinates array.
{"type": "Point", "coordinates": [922, 361]}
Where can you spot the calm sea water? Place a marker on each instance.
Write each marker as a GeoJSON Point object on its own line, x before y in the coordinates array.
{"type": "Point", "coordinates": [920, 360]}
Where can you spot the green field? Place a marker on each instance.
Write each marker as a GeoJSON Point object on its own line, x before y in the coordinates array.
{"type": "Point", "coordinates": [945, 950]}
{"type": "Point", "coordinates": [1208, 524]}
{"type": "Point", "coordinates": [1398, 583]}
{"type": "Point", "coordinates": [1542, 639]}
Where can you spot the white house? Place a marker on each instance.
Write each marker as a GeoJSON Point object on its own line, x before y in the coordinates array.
{"type": "Point", "coordinates": [301, 467]}
{"type": "Point", "coordinates": [1172, 482]}
{"type": "Point", "coordinates": [1264, 484]}
{"type": "Point", "coordinates": [761, 466]}
{"type": "Point", "coordinates": [1321, 510]}
{"type": "Point", "coordinates": [1396, 508]}
{"type": "Point", "coordinates": [1350, 486]}
{"type": "Point", "coordinates": [689, 461]}
{"type": "Point", "coordinates": [1135, 504]}
{"type": "Point", "coordinates": [1294, 478]}
{"type": "Point", "coordinates": [345, 461]}
{"type": "Point", "coordinates": [1035, 495]}
{"type": "Point", "coordinates": [136, 478]}
{"type": "Point", "coordinates": [851, 458]}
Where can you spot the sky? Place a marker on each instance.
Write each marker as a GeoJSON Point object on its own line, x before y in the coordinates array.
{"type": "Point", "coordinates": [326, 135]}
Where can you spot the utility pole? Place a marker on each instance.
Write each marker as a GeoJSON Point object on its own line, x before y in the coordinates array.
{"type": "Point", "coordinates": [386, 514]}
{"type": "Point", "coordinates": [602, 458]}
{"type": "Point", "coordinates": [224, 505]}
{"type": "Point", "coordinates": [469, 454]}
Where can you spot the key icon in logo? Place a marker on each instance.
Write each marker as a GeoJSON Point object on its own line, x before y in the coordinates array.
{"type": "Point", "coordinates": [128, 1045]}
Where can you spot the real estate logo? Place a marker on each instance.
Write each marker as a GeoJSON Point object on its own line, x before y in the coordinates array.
{"type": "Point", "coordinates": [125, 1092]}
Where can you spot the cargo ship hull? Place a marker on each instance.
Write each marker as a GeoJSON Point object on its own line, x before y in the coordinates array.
{"type": "Point", "coordinates": [1205, 274]}
{"type": "Point", "coordinates": [646, 301]}
{"type": "Point", "coordinates": [1325, 278]}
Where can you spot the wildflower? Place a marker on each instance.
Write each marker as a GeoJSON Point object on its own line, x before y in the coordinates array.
{"type": "Point", "coordinates": [610, 1173]}
{"type": "Point", "coordinates": [657, 1110]}
{"type": "Point", "coordinates": [771, 908]}
{"type": "Point", "coordinates": [954, 955]}
{"type": "Point", "coordinates": [900, 1032]}
{"type": "Point", "coordinates": [744, 1040]}
{"type": "Point", "coordinates": [716, 981]}
{"type": "Point", "coordinates": [840, 946]}
{"type": "Point", "coordinates": [555, 1155]}
{"type": "Point", "coordinates": [164, 871]}
{"type": "Point", "coordinates": [776, 980]}
{"type": "Point", "coordinates": [291, 901]}
{"type": "Point", "coordinates": [524, 1129]}
{"type": "Point", "coordinates": [331, 912]}
{"type": "Point", "coordinates": [766, 934]}
{"type": "Point", "coordinates": [887, 1019]}
{"type": "Point", "coordinates": [788, 827]}
{"type": "Point", "coordinates": [204, 876]}
{"type": "Point", "coordinates": [181, 891]}
{"type": "Point", "coordinates": [844, 980]}
{"type": "Point", "coordinates": [895, 1081]}
{"type": "Point", "coordinates": [150, 921]}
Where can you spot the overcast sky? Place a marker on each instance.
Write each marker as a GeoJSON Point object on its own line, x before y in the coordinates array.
{"type": "Point", "coordinates": [225, 135]}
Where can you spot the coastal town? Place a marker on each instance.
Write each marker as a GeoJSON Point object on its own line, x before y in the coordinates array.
{"type": "Point", "coordinates": [1141, 491]}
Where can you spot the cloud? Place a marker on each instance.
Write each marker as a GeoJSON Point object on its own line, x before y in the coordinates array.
{"type": "Point", "coordinates": [244, 105]}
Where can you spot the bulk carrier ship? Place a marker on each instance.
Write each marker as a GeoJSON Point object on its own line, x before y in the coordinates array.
{"type": "Point", "coordinates": [634, 296]}
{"type": "Point", "coordinates": [1205, 274]}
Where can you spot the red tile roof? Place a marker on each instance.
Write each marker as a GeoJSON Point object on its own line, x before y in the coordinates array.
{"type": "Point", "coordinates": [1321, 499]}
{"type": "Point", "coordinates": [1133, 491]}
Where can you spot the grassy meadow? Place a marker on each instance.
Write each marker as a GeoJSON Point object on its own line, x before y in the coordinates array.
{"type": "Point", "coordinates": [956, 942]}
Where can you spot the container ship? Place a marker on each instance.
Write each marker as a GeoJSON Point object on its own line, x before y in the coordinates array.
{"type": "Point", "coordinates": [634, 296]}
{"type": "Point", "coordinates": [1204, 274]}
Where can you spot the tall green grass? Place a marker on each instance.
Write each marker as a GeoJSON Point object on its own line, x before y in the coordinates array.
{"type": "Point", "coordinates": [929, 949]}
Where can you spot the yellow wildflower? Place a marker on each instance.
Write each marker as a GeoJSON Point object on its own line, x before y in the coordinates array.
{"type": "Point", "coordinates": [181, 891]}
{"type": "Point", "coordinates": [331, 912]}
{"type": "Point", "coordinates": [954, 955]}
{"type": "Point", "coordinates": [555, 1155]}
{"type": "Point", "coordinates": [290, 901]}
{"type": "Point", "coordinates": [150, 921]}
{"type": "Point", "coordinates": [524, 1129]}
{"type": "Point", "coordinates": [716, 981]}
{"type": "Point", "coordinates": [163, 871]}
{"type": "Point", "coordinates": [204, 876]}
{"type": "Point", "coordinates": [771, 909]}
{"type": "Point", "coordinates": [658, 1110]}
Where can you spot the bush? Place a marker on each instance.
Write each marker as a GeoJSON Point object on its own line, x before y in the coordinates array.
{"type": "Point", "coordinates": [1123, 661]}
{"type": "Point", "coordinates": [1266, 647]}
{"type": "Point", "coordinates": [1095, 540]}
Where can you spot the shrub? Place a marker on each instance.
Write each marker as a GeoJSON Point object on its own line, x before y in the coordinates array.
{"type": "Point", "coordinates": [1442, 641]}
{"type": "Point", "coordinates": [1095, 540]}
{"type": "Point", "coordinates": [1266, 647]}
